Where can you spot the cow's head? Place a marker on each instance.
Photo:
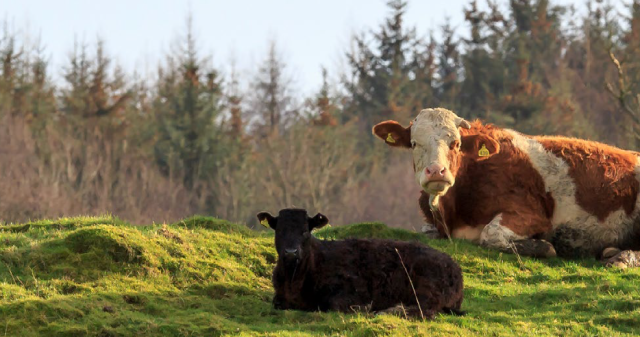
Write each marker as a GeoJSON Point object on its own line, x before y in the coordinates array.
{"type": "Point", "coordinates": [437, 146]}
{"type": "Point", "coordinates": [293, 230]}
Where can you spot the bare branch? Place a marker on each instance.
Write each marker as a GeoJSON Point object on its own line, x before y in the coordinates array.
{"type": "Point", "coordinates": [623, 92]}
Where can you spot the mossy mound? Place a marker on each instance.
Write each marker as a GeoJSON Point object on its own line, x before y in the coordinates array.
{"type": "Point", "coordinates": [62, 223]}
{"type": "Point", "coordinates": [371, 230]}
{"type": "Point", "coordinates": [209, 277]}
{"type": "Point", "coordinates": [214, 224]}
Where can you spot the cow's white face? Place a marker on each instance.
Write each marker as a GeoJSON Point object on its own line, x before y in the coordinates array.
{"type": "Point", "coordinates": [435, 139]}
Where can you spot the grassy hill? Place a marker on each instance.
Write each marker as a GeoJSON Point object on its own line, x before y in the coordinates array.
{"type": "Point", "coordinates": [208, 277]}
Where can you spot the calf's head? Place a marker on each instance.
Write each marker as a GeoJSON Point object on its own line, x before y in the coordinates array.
{"type": "Point", "coordinates": [293, 230]}
{"type": "Point", "coordinates": [437, 145]}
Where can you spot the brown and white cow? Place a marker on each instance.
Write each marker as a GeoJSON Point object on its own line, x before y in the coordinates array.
{"type": "Point", "coordinates": [511, 191]}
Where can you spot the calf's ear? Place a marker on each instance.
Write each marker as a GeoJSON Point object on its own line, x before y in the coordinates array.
{"type": "Point", "coordinates": [267, 220]}
{"type": "Point", "coordinates": [317, 221]}
{"type": "Point", "coordinates": [479, 147]}
{"type": "Point", "coordinates": [393, 133]}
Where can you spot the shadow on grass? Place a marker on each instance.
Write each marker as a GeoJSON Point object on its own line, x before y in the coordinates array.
{"type": "Point", "coordinates": [573, 305]}
{"type": "Point", "coordinates": [213, 310]}
{"type": "Point", "coordinates": [216, 309]}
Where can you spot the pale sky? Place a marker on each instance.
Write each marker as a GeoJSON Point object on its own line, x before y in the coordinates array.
{"type": "Point", "coordinates": [310, 34]}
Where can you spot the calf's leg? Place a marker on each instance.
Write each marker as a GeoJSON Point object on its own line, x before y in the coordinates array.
{"type": "Point", "coordinates": [419, 312]}
{"type": "Point", "coordinates": [501, 234]}
{"type": "Point", "coordinates": [344, 302]}
{"type": "Point", "coordinates": [408, 311]}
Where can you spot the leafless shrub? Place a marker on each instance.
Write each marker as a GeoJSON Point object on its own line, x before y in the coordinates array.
{"type": "Point", "coordinates": [317, 169]}
{"type": "Point", "coordinates": [628, 101]}
{"type": "Point", "coordinates": [32, 188]}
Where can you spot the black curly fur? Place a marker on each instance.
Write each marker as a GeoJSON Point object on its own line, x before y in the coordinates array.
{"type": "Point", "coordinates": [356, 274]}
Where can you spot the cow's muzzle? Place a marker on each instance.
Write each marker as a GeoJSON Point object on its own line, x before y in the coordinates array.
{"type": "Point", "coordinates": [438, 187]}
{"type": "Point", "coordinates": [437, 179]}
{"type": "Point", "coordinates": [291, 254]}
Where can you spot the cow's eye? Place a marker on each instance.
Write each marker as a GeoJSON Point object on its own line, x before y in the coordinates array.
{"type": "Point", "coordinates": [413, 144]}
{"type": "Point", "coordinates": [454, 145]}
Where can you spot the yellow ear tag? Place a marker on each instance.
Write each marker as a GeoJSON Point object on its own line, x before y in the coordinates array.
{"type": "Point", "coordinates": [265, 222]}
{"type": "Point", "coordinates": [483, 152]}
{"type": "Point", "coordinates": [390, 139]}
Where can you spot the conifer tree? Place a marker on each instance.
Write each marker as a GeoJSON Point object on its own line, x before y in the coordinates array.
{"type": "Point", "coordinates": [324, 106]}
{"type": "Point", "coordinates": [449, 69]}
{"type": "Point", "coordinates": [483, 61]}
{"type": "Point", "coordinates": [93, 112]}
{"type": "Point", "coordinates": [75, 95]}
{"type": "Point", "coordinates": [273, 104]}
{"type": "Point", "coordinates": [41, 107]}
{"type": "Point", "coordinates": [423, 67]}
{"type": "Point", "coordinates": [188, 105]}
{"type": "Point", "coordinates": [234, 105]}
{"type": "Point", "coordinates": [587, 58]}
{"type": "Point", "coordinates": [13, 69]}
{"type": "Point", "coordinates": [387, 80]}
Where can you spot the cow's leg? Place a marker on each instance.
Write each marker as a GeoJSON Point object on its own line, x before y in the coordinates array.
{"type": "Point", "coordinates": [626, 254]}
{"type": "Point", "coordinates": [431, 231]}
{"type": "Point", "coordinates": [609, 252]}
{"type": "Point", "coordinates": [499, 234]}
{"type": "Point", "coordinates": [624, 259]}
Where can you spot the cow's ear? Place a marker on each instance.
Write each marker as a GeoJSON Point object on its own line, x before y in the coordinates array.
{"type": "Point", "coordinates": [317, 221]}
{"type": "Point", "coordinates": [479, 147]}
{"type": "Point", "coordinates": [267, 220]}
{"type": "Point", "coordinates": [393, 133]}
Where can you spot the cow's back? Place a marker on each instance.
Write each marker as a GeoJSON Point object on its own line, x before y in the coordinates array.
{"type": "Point", "coordinates": [594, 187]}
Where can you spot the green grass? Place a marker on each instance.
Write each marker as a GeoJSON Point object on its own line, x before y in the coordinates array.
{"type": "Point", "coordinates": [208, 277]}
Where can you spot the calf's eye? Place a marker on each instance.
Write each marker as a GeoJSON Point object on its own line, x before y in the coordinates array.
{"type": "Point", "coordinates": [413, 144]}
{"type": "Point", "coordinates": [454, 145]}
